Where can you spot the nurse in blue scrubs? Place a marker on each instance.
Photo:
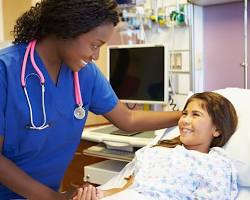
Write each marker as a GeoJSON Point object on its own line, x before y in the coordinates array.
{"type": "Point", "coordinates": [48, 83]}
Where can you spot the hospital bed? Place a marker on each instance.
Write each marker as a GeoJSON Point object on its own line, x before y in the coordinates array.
{"type": "Point", "coordinates": [238, 146]}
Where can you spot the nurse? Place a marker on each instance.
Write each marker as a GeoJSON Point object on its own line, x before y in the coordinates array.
{"type": "Point", "coordinates": [48, 83]}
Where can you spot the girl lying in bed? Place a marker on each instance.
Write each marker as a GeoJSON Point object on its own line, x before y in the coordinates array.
{"type": "Point", "coordinates": [191, 166]}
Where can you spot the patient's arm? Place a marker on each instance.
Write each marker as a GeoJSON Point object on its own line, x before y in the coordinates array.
{"type": "Point", "coordinates": [89, 192]}
{"type": "Point", "coordinates": [116, 190]}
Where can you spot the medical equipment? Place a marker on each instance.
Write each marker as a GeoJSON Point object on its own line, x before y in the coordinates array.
{"type": "Point", "coordinates": [103, 134]}
{"type": "Point", "coordinates": [79, 111]}
{"type": "Point", "coordinates": [143, 68]}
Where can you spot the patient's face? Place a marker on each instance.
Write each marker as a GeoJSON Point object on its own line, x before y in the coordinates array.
{"type": "Point", "coordinates": [196, 127]}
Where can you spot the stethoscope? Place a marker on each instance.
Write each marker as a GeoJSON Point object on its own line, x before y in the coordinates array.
{"type": "Point", "coordinates": [79, 111]}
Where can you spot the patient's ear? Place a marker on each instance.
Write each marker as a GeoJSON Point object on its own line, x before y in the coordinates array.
{"type": "Point", "coordinates": [216, 133]}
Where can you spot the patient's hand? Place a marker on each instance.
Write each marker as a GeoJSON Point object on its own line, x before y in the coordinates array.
{"type": "Point", "coordinates": [89, 192]}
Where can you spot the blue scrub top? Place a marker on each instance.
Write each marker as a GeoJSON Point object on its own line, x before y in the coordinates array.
{"type": "Point", "coordinates": [45, 154]}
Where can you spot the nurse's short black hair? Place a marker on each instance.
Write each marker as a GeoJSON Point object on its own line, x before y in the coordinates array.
{"type": "Point", "coordinates": [64, 18]}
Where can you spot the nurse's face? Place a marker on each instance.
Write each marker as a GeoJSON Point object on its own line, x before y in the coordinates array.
{"type": "Point", "coordinates": [86, 47]}
{"type": "Point", "coordinates": [196, 127]}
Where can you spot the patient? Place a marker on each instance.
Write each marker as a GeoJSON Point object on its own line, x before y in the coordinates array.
{"type": "Point", "coordinates": [190, 166]}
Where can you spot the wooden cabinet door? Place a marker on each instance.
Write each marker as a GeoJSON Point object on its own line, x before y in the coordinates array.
{"type": "Point", "coordinates": [75, 172]}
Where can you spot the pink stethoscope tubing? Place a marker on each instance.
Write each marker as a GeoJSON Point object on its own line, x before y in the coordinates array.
{"type": "Point", "coordinates": [77, 88]}
{"type": "Point", "coordinates": [79, 112]}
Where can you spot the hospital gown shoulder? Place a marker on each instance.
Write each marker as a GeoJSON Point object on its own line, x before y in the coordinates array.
{"type": "Point", "coordinates": [221, 155]}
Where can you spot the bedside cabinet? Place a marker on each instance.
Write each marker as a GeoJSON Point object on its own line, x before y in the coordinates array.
{"type": "Point", "coordinates": [75, 173]}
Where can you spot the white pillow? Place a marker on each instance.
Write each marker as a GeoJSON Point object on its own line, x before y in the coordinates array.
{"type": "Point", "coordinates": [238, 147]}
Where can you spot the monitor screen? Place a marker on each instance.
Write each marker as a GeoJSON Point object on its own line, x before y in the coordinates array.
{"type": "Point", "coordinates": [139, 73]}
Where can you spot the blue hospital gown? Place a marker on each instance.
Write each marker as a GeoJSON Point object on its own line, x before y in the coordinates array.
{"type": "Point", "coordinates": [177, 173]}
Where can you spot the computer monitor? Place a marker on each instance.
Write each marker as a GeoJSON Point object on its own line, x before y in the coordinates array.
{"type": "Point", "coordinates": [139, 73]}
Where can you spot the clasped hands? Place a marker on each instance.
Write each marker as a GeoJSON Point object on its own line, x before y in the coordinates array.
{"type": "Point", "coordinates": [85, 192]}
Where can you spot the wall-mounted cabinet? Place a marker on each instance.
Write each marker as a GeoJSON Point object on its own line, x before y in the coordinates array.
{"type": "Point", "coordinates": [211, 2]}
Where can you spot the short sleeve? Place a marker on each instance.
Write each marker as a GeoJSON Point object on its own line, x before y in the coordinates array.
{"type": "Point", "coordinates": [3, 87]}
{"type": "Point", "coordinates": [103, 97]}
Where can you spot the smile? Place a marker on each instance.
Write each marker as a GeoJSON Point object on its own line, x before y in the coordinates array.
{"type": "Point", "coordinates": [186, 131]}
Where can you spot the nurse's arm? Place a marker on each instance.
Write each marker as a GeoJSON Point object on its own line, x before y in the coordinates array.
{"type": "Point", "coordinates": [132, 120]}
{"type": "Point", "coordinates": [21, 183]}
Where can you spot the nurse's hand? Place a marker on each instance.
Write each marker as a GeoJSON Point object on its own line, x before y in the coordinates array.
{"type": "Point", "coordinates": [88, 192]}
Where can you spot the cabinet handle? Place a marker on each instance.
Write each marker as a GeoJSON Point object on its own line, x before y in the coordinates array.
{"type": "Point", "coordinates": [87, 177]}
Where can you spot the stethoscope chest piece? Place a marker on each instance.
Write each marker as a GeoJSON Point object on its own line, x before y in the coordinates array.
{"type": "Point", "coordinates": [79, 112]}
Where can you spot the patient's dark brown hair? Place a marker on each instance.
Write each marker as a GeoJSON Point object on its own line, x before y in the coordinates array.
{"type": "Point", "coordinates": [222, 114]}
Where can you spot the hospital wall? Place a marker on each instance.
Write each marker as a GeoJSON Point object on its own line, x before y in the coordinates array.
{"type": "Point", "coordinates": [1, 21]}
{"type": "Point", "coordinates": [224, 46]}
{"type": "Point", "coordinates": [12, 9]}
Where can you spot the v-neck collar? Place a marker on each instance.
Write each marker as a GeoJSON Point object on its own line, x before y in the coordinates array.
{"type": "Point", "coordinates": [46, 74]}
{"type": "Point", "coordinates": [65, 86]}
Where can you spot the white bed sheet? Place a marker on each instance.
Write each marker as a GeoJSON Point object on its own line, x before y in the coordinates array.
{"type": "Point", "coordinates": [133, 195]}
